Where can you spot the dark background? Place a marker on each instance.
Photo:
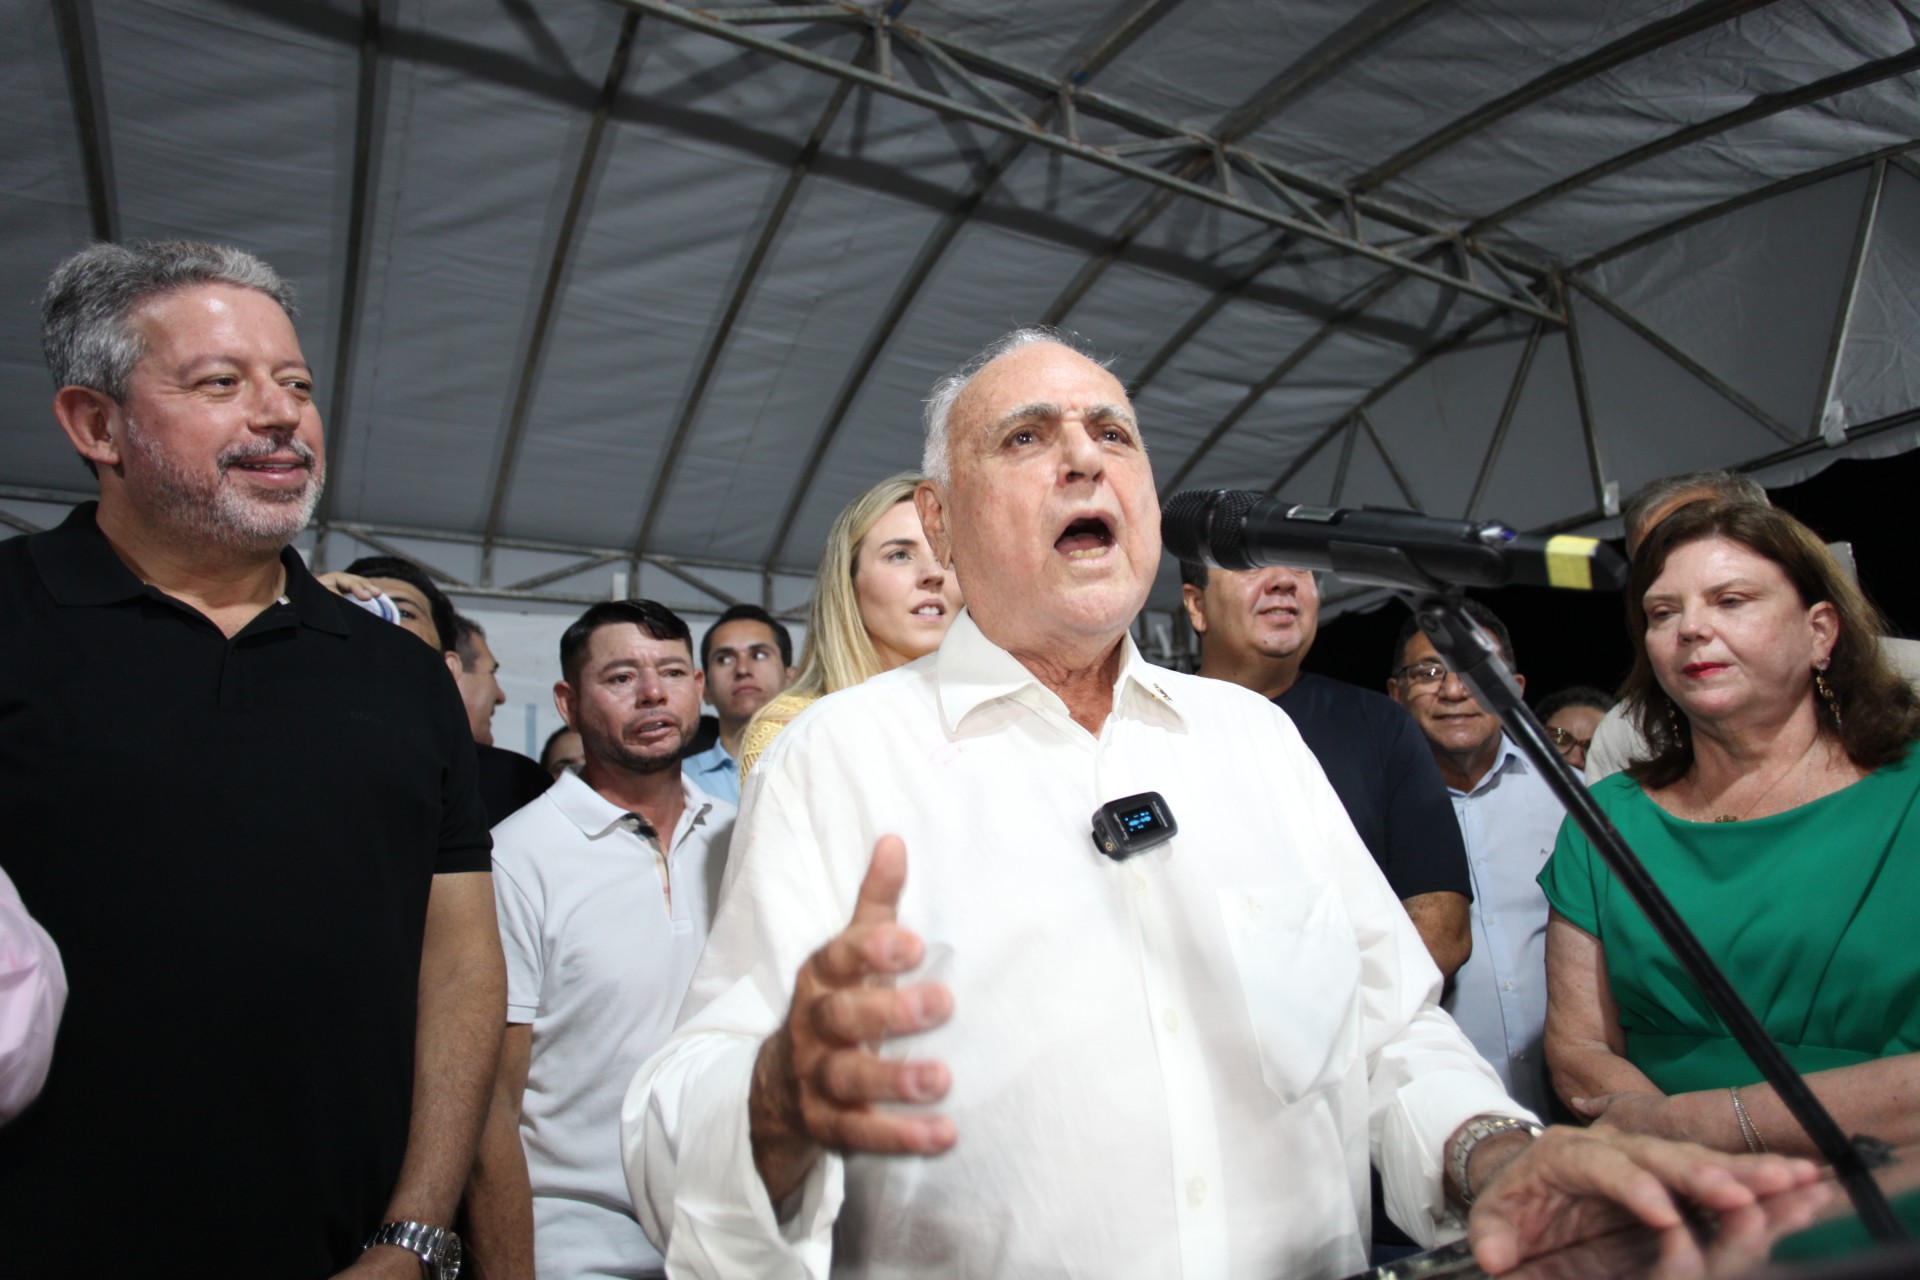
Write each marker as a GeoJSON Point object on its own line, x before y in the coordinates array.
{"type": "Point", "coordinates": [1576, 637]}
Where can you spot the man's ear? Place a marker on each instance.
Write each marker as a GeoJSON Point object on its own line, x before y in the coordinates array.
{"type": "Point", "coordinates": [563, 702]}
{"type": "Point", "coordinates": [931, 504]}
{"type": "Point", "coordinates": [700, 684]}
{"type": "Point", "coordinates": [89, 418]}
{"type": "Point", "coordinates": [455, 667]}
{"type": "Point", "coordinates": [1196, 602]}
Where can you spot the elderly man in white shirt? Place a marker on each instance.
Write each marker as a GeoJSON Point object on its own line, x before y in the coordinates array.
{"type": "Point", "coordinates": [1029, 1058]}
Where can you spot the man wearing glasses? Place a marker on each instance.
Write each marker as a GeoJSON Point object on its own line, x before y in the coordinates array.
{"type": "Point", "coordinates": [1508, 819]}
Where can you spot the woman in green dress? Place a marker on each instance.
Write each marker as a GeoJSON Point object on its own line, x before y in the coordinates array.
{"type": "Point", "coordinates": [1780, 811]}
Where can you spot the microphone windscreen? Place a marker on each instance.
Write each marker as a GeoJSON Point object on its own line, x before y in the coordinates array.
{"type": "Point", "coordinates": [1207, 526]}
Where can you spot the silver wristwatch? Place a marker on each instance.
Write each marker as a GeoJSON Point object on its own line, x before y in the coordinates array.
{"type": "Point", "coordinates": [1471, 1135]}
{"type": "Point", "coordinates": [439, 1248]}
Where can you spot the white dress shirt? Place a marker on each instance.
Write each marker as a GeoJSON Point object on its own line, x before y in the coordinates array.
{"type": "Point", "coordinates": [598, 959]}
{"type": "Point", "coordinates": [1508, 821]}
{"type": "Point", "coordinates": [33, 994]}
{"type": "Point", "coordinates": [1169, 1066]}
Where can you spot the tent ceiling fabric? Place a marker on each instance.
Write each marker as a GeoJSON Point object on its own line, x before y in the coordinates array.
{"type": "Point", "coordinates": [622, 282]}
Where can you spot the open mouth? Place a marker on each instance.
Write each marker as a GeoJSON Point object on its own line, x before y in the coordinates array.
{"type": "Point", "coordinates": [654, 728]}
{"type": "Point", "coordinates": [1088, 538]}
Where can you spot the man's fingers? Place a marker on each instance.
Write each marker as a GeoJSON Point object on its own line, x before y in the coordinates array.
{"type": "Point", "coordinates": [856, 1078]}
{"type": "Point", "coordinates": [886, 876]}
{"type": "Point", "coordinates": [890, 1133]}
{"type": "Point", "coordinates": [861, 951]}
{"type": "Point", "coordinates": [860, 1015]}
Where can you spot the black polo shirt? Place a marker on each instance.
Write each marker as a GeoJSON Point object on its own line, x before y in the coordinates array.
{"type": "Point", "coordinates": [1383, 771]}
{"type": "Point", "coordinates": [232, 841]}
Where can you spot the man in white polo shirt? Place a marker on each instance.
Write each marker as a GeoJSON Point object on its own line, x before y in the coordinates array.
{"type": "Point", "coordinates": [606, 885]}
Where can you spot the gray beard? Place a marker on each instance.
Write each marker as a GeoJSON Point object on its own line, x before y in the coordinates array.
{"type": "Point", "coordinates": [219, 513]}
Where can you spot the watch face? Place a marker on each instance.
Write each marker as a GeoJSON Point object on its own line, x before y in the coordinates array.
{"type": "Point", "coordinates": [451, 1254]}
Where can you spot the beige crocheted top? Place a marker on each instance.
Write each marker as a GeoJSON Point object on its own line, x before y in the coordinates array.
{"type": "Point", "coordinates": [767, 724]}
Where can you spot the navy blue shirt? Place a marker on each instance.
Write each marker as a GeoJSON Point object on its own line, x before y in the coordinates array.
{"type": "Point", "coordinates": [1379, 763]}
{"type": "Point", "coordinates": [232, 842]}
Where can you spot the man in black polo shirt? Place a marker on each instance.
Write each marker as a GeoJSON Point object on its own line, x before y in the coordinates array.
{"type": "Point", "coordinates": [246, 812]}
{"type": "Point", "coordinates": [1255, 630]}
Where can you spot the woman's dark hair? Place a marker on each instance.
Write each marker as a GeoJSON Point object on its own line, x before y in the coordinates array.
{"type": "Point", "coordinates": [1879, 714]}
{"type": "Point", "coordinates": [1579, 695]}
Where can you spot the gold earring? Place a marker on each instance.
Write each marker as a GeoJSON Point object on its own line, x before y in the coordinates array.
{"type": "Point", "coordinates": [1827, 695]}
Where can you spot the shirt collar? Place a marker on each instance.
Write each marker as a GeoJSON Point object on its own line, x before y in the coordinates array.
{"type": "Point", "coordinates": [1509, 759]}
{"type": "Point", "coordinates": [596, 815]}
{"type": "Point", "coordinates": [80, 568]}
{"type": "Point", "coordinates": [971, 671]}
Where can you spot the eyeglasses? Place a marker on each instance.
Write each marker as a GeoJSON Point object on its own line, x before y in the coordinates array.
{"type": "Point", "coordinates": [1564, 739]}
{"type": "Point", "coordinates": [1421, 674]}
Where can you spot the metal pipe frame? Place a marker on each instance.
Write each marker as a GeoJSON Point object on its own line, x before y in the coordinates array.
{"type": "Point", "coordinates": [75, 20]}
{"type": "Point", "coordinates": [749, 277]}
{"type": "Point", "coordinates": [1763, 106]}
{"type": "Point", "coordinates": [1706, 376]}
{"type": "Point", "coordinates": [1345, 461]}
{"type": "Point", "coordinates": [1578, 364]}
{"type": "Point", "coordinates": [360, 212]}
{"type": "Point", "coordinates": [1897, 153]}
{"type": "Point", "coordinates": [1507, 410]}
{"type": "Point", "coordinates": [1386, 456]}
{"type": "Point", "coordinates": [930, 255]}
{"type": "Point", "coordinates": [1433, 352]}
{"type": "Point", "coordinates": [1635, 44]}
{"type": "Point", "coordinates": [1089, 103]}
{"type": "Point", "coordinates": [1843, 317]}
{"type": "Point", "coordinates": [1380, 287]}
{"type": "Point", "coordinates": [550, 293]}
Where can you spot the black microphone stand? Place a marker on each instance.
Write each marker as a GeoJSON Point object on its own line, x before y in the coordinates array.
{"type": "Point", "coordinates": [1467, 651]}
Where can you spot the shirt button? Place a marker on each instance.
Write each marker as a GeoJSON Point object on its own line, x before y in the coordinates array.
{"type": "Point", "coordinates": [1139, 883]}
{"type": "Point", "coordinates": [1170, 1020]}
{"type": "Point", "coordinates": [1506, 986]}
{"type": "Point", "coordinates": [1196, 1191]}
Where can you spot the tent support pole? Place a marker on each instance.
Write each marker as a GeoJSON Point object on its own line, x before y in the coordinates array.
{"type": "Point", "coordinates": [557, 272]}
{"type": "Point", "coordinates": [1577, 362]}
{"type": "Point", "coordinates": [1836, 433]}
{"type": "Point", "coordinates": [1500, 427]}
{"type": "Point", "coordinates": [1705, 375]}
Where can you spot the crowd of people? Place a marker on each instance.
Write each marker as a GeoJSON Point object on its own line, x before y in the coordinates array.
{"type": "Point", "coordinates": [287, 941]}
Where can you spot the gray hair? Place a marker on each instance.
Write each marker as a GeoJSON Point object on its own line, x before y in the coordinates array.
{"type": "Point", "coordinates": [86, 313]}
{"type": "Point", "coordinates": [933, 454]}
{"type": "Point", "coordinates": [1728, 486]}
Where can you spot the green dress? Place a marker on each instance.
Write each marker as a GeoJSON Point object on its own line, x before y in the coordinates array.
{"type": "Point", "coordinates": [1814, 914]}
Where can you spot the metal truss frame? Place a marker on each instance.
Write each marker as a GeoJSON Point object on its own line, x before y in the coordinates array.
{"type": "Point", "coordinates": [1063, 115]}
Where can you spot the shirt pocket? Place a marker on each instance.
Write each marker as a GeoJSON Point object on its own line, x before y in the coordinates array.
{"type": "Point", "coordinates": [1299, 969]}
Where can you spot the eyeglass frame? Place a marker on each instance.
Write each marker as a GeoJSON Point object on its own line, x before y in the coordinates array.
{"type": "Point", "coordinates": [1564, 738]}
{"type": "Point", "coordinates": [1406, 673]}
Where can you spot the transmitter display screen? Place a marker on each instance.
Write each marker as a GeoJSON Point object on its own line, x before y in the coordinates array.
{"type": "Point", "coordinates": [1133, 824]}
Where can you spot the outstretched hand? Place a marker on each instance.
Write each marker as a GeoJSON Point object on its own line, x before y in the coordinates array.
{"type": "Point", "coordinates": [818, 1078]}
{"type": "Point", "coordinates": [1572, 1184]}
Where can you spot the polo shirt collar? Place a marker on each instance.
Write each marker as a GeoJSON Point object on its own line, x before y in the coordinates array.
{"type": "Point", "coordinates": [596, 815]}
{"type": "Point", "coordinates": [80, 568]}
{"type": "Point", "coordinates": [971, 671]}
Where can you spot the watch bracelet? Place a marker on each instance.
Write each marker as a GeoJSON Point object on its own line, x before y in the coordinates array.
{"type": "Point", "coordinates": [1470, 1135]}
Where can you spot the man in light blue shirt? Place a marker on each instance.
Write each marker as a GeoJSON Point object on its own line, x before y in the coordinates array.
{"type": "Point", "coordinates": [1508, 820]}
{"type": "Point", "coordinates": [747, 656]}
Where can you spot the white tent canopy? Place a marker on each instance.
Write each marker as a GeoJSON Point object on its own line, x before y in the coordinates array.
{"type": "Point", "coordinates": [625, 295]}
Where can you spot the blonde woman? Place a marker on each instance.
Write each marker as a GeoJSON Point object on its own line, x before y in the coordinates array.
{"type": "Point", "coordinates": [880, 600]}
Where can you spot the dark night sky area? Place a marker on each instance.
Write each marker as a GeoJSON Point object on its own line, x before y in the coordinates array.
{"type": "Point", "coordinates": [1572, 637]}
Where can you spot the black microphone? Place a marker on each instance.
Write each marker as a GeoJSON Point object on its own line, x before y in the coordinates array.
{"type": "Point", "coordinates": [1233, 529]}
